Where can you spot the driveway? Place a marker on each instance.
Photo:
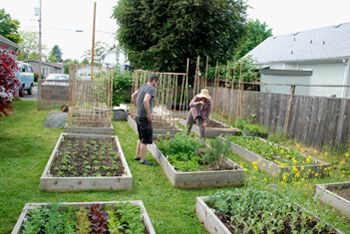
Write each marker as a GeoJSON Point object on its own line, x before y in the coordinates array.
{"type": "Point", "coordinates": [33, 97]}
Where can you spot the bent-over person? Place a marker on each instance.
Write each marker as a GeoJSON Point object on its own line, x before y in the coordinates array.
{"type": "Point", "coordinates": [200, 108]}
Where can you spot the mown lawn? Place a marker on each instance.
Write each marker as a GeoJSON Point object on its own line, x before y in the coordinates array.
{"type": "Point", "coordinates": [25, 146]}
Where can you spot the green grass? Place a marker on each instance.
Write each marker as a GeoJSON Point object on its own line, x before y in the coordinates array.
{"type": "Point", "coordinates": [25, 147]}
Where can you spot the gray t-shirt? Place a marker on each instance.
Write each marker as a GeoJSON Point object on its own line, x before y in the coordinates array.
{"type": "Point", "coordinates": [143, 90]}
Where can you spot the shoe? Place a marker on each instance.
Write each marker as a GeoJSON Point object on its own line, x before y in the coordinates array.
{"type": "Point", "coordinates": [145, 162]}
{"type": "Point", "coordinates": [137, 158]}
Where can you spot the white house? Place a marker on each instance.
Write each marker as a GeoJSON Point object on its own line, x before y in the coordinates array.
{"type": "Point", "coordinates": [317, 57]}
{"type": "Point", "coordinates": [116, 57]}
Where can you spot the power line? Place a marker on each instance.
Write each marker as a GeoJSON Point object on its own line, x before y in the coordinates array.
{"type": "Point", "coordinates": [69, 29]}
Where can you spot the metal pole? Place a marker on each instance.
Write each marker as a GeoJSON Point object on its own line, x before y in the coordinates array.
{"type": "Point", "coordinates": [40, 55]}
{"type": "Point", "coordinates": [93, 44]}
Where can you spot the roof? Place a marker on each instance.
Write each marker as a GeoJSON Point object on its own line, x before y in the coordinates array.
{"type": "Point", "coordinates": [328, 43]}
{"type": "Point", "coordinates": [47, 64]}
{"type": "Point", "coordinates": [8, 42]}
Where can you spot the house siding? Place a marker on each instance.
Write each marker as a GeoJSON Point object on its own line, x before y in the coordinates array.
{"type": "Point", "coordinates": [322, 74]}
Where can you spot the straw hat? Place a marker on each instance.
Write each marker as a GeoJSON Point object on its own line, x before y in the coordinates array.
{"type": "Point", "coordinates": [204, 94]}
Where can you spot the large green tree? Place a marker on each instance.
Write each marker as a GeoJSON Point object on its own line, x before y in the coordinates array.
{"type": "Point", "coordinates": [161, 35]}
{"type": "Point", "coordinates": [9, 27]}
{"type": "Point", "coordinates": [255, 32]}
{"type": "Point", "coordinates": [55, 55]}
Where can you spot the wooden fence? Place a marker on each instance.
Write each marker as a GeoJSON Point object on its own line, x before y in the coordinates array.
{"type": "Point", "coordinates": [314, 120]}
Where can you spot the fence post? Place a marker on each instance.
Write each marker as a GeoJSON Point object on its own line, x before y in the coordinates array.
{"type": "Point", "coordinates": [289, 108]}
{"type": "Point", "coordinates": [241, 87]}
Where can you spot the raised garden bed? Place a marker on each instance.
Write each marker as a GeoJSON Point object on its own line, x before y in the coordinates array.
{"type": "Point", "coordinates": [86, 162]}
{"type": "Point", "coordinates": [92, 129]}
{"type": "Point", "coordinates": [191, 168]}
{"type": "Point", "coordinates": [214, 128]}
{"type": "Point", "coordinates": [85, 217]}
{"type": "Point", "coordinates": [252, 211]}
{"type": "Point", "coordinates": [160, 127]}
{"type": "Point", "coordinates": [336, 195]}
{"type": "Point", "coordinates": [275, 159]}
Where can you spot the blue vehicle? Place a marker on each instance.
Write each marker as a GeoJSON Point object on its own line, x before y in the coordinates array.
{"type": "Point", "coordinates": [25, 76]}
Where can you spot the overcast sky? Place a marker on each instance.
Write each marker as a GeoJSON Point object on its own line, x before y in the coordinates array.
{"type": "Point", "coordinates": [62, 17]}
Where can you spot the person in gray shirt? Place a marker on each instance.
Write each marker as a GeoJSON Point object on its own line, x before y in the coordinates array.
{"type": "Point", "coordinates": [144, 100]}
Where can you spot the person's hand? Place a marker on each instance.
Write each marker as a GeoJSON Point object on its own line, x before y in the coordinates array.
{"type": "Point", "coordinates": [200, 103]}
{"type": "Point", "coordinates": [204, 124]}
{"type": "Point", "coordinates": [149, 117]}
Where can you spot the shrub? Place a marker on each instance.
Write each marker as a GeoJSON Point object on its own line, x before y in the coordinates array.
{"type": "Point", "coordinates": [122, 84]}
{"type": "Point", "coordinates": [8, 79]}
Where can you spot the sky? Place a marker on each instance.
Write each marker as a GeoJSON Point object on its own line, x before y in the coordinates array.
{"type": "Point", "coordinates": [61, 19]}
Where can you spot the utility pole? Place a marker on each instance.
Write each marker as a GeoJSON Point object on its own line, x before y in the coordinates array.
{"type": "Point", "coordinates": [40, 56]}
{"type": "Point", "coordinates": [93, 44]}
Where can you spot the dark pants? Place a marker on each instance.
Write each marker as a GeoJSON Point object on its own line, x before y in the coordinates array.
{"type": "Point", "coordinates": [145, 130]}
{"type": "Point", "coordinates": [199, 123]}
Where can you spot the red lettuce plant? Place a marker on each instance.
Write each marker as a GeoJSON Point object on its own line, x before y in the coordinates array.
{"type": "Point", "coordinates": [98, 219]}
{"type": "Point", "coordinates": [8, 79]}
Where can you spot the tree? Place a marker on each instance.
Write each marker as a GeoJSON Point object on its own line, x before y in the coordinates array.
{"type": "Point", "coordinates": [29, 46]}
{"type": "Point", "coordinates": [161, 35]}
{"type": "Point", "coordinates": [255, 32]}
{"type": "Point", "coordinates": [9, 27]}
{"type": "Point", "coordinates": [101, 48]}
{"type": "Point", "coordinates": [68, 63]}
{"type": "Point", "coordinates": [55, 55]}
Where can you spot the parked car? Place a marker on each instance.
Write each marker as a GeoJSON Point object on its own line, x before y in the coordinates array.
{"type": "Point", "coordinates": [57, 77]}
{"type": "Point", "coordinates": [25, 76]}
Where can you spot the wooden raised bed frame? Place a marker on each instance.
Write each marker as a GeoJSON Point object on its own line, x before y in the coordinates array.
{"type": "Point", "coordinates": [64, 184]}
{"type": "Point", "coordinates": [198, 179]}
{"type": "Point", "coordinates": [213, 132]}
{"type": "Point", "coordinates": [157, 132]}
{"type": "Point", "coordinates": [331, 198]}
{"type": "Point", "coordinates": [76, 205]}
{"type": "Point", "coordinates": [271, 167]}
{"type": "Point", "coordinates": [89, 130]}
{"type": "Point", "coordinates": [211, 222]}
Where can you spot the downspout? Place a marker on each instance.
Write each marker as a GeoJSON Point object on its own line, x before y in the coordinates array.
{"type": "Point", "coordinates": [346, 77]}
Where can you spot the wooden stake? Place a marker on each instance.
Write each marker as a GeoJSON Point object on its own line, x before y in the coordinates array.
{"type": "Point", "coordinates": [93, 44]}
{"type": "Point", "coordinates": [206, 72]}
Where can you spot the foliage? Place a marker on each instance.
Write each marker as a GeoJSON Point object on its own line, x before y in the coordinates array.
{"type": "Point", "coordinates": [54, 222]}
{"type": "Point", "coordinates": [55, 55]}
{"type": "Point", "coordinates": [69, 62]}
{"type": "Point", "coordinates": [34, 223]}
{"type": "Point", "coordinates": [83, 222]}
{"type": "Point", "coordinates": [29, 46]}
{"type": "Point", "coordinates": [87, 157]}
{"type": "Point", "coordinates": [240, 124]}
{"type": "Point", "coordinates": [101, 48]}
{"type": "Point", "coordinates": [98, 219]}
{"type": "Point", "coordinates": [232, 71]}
{"type": "Point", "coordinates": [256, 128]}
{"type": "Point", "coordinates": [122, 84]}
{"type": "Point", "coordinates": [281, 155]}
{"type": "Point", "coordinates": [161, 35]}
{"type": "Point", "coordinates": [253, 211]}
{"type": "Point", "coordinates": [255, 32]}
{"type": "Point", "coordinates": [8, 79]}
{"type": "Point", "coordinates": [131, 218]}
{"type": "Point", "coordinates": [216, 152]}
{"type": "Point", "coordinates": [9, 27]}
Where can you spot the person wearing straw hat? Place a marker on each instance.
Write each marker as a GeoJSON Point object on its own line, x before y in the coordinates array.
{"type": "Point", "coordinates": [200, 108]}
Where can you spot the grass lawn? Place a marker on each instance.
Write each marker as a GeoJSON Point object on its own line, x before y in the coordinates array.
{"type": "Point", "coordinates": [25, 147]}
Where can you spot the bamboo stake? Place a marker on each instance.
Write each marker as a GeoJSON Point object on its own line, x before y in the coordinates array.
{"type": "Point", "coordinates": [232, 86]}
{"type": "Point", "coordinates": [206, 72]}
{"type": "Point", "coordinates": [93, 44]}
{"type": "Point", "coordinates": [241, 91]}
{"type": "Point", "coordinates": [216, 87]}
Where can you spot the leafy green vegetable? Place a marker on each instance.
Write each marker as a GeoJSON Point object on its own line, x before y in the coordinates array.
{"type": "Point", "coordinates": [255, 128]}
{"type": "Point", "coordinates": [83, 222]}
{"type": "Point", "coordinates": [253, 211]}
{"type": "Point", "coordinates": [131, 216]}
{"type": "Point", "coordinates": [34, 223]}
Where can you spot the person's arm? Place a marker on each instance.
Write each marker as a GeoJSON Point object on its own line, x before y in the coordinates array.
{"type": "Point", "coordinates": [133, 97]}
{"type": "Point", "coordinates": [207, 112]}
{"type": "Point", "coordinates": [146, 104]}
{"type": "Point", "coordinates": [194, 103]}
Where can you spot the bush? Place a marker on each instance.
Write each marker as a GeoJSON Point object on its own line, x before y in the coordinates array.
{"type": "Point", "coordinates": [122, 84]}
{"type": "Point", "coordinates": [8, 79]}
